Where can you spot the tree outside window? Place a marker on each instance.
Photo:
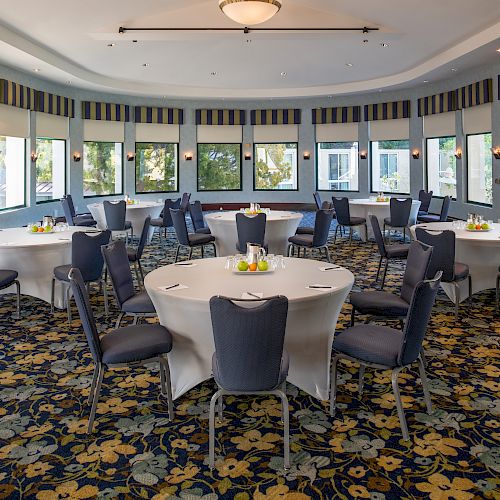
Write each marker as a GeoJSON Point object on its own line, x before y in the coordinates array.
{"type": "Point", "coordinates": [276, 166]}
{"type": "Point", "coordinates": [102, 168]}
{"type": "Point", "coordinates": [155, 167]}
{"type": "Point", "coordinates": [219, 167]}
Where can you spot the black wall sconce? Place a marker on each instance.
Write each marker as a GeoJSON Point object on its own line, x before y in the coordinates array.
{"type": "Point", "coordinates": [363, 155]}
{"type": "Point", "coordinates": [188, 156]}
{"type": "Point", "coordinates": [77, 156]}
{"type": "Point", "coordinates": [496, 152]}
{"type": "Point", "coordinates": [248, 156]}
{"type": "Point", "coordinates": [415, 154]}
{"type": "Point", "coordinates": [130, 156]}
{"type": "Point", "coordinates": [458, 154]}
{"type": "Point", "coordinates": [307, 155]}
{"type": "Point", "coordinates": [34, 156]}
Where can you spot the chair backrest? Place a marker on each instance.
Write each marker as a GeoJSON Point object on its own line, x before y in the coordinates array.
{"type": "Point", "coordinates": [86, 316]}
{"type": "Point", "coordinates": [417, 264]}
{"type": "Point", "coordinates": [341, 206]}
{"type": "Point", "coordinates": [165, 213]}
{"type": "Point", "coordinates": [425, 199]}
{"type": "Point", "coordinates": [177, 204]}
{"type": "Point", "coordinates": [400, 211]}
{"type": "Point", "coordinates": [185, 201]}
{"type": "Point", "coordinates": [249, 342]}
{"type": "Point", "coordinates": [118, 266]}
{"type": "Point", "coordinates": [67, 211]}
{"type": "Point", "coordinates": [179, 222]}
{"type": "Point", "coordinates": [417, 319]}
{"type": "Point", "coordinates": [115, 214]}
{"type": "Point", "coordinates": [317, 200]}
{"type": "Point", "coordinates": [86, 253]}
{"type": "Point", "coordinates": [196, 211]}
{"type": "Point", "coordinates": [144, 236]}
{"type": "Point", "coordinates": [445, 208]}
{"type": "Point", "coordinates": [443, 255]}
{"type": "Point", "coordinates": [377, 233]}
{"type": "Point", "coordinates": [322, 227]}
{"type": "Point", "coordinates": [251, 229]}
{"type": "Point", "coordinates": [71, 204]}
{"type": "Point", "coordinates": [327, 205]}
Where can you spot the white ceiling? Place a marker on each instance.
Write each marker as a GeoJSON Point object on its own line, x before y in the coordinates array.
{"type": "Point", "coordinates": [68, 41]}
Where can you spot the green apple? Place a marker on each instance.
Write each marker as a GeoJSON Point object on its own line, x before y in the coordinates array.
{"type": "Point", "coordinates": [485, 226]}
{"type": "Point", "coordinates": [471, 226]}
{"type": "Point", "coordinates": [242, 265]}
{"type": "Point", "coordinates": [262, 265]}
{"type": "Point", "coordinates": [34, 229]}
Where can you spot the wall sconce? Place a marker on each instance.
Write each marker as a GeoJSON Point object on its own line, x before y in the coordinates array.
{"type": "Point", "coordinates": [363, 155]}
{"type": "Point", "coordinates": [415, 154]}
{"type": "Point", "coordinates": [188, 156]}
{"type": "Point", "coordinates": [130, 156]}
{"type": "Point", "coordinates": [34, 157]}
{"type": "Point", "coordinates": [307, 155]}
{"type": "Point", "coordinates": [248, 156]}
{"type": "Point", "coordinates": [458, 154]}
{"type": "Point", "coordinates": [77, 156]}
{"type": "Point", "coordinates": [496, 152]}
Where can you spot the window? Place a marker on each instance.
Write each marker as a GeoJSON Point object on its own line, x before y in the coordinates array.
{"type": "Point", "coordinates": [275, 166]}
{"type": "Point", "coordinates": [12, 172]}
{"type": "Point", "coordinates": [156, 167]}
{"type": "Point", "coordinates": [102, 168]}
{"type": "Point", "coordinates": [442, 166]}
{"type": "Point", "coordinates": [337, 166]}
{"type": "Point", "coordinates": [219, 167]}
{"type": "Point", "coordinates": [50, 169]}
{"type": "Point", "coordinates": [479, 169]}
{"type": "Point", "coordinates": [390, 170]}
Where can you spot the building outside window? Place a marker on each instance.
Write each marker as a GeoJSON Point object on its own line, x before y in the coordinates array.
{"type": "Point", "coordinates": [156, 167]}
{"type": "Point", "coordinates": [442, 166]}
{"type": "Point", "coordinates": [102, 168]}
{"type": "Point", "coordinates": [337, 166]}
{"type": "Point", "coordinates": [219, 167]}
{"type": "Point", "coordinates": [50, 169]}
{"type": "Point", "coordinates": [275, 166]}
{"type": "Point", "coordinates": [479, 169]}
{"type": "Point", "coordinates": [390, 166]}
{"type": "Point", "coordinates": [12, 172]}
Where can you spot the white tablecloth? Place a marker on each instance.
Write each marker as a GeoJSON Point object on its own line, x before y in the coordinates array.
{"type": "Point", "coordinates": [34, 257]}
{"type": "Point", "coordinates": [136, 214]}
{"type": "Point", "coordinates": [280, 226]}
{"type": "Point", "coordinates": [480, 251]}
{"type": "Point", "coordinates": [312, 316]}
{"type": "Point", "coordinates": [366, 207]}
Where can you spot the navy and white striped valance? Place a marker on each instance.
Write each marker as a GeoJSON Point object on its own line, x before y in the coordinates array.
{"type": "Point", "coordinates": [475, 94]}
{"type": "Point", "coordinates": [439, 103]}
{"type": "Point", "coordinates": [220, 117]}
{"type": "Point", "coordinates": [105, 111]}
{"type": "Point", "coordinates": [275, 116]}
{"type": "Point", "coordinates": [345, 114]}
{"type": "Point", "coordinates": [166, 116]}
{"type": "Point", "coordinates": [54, 104]}
{"type": "Point", "coordinates": [15, 94]}
{"type": "Point", "coordinates": [387, 111]}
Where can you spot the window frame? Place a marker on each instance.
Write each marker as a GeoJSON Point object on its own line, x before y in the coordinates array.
{"type": "Point", "coordinates": [65, 170]}
{"type": "Point", "coordinates": [317, 170]}
{"type": "Point", "coordinates": [255, 170]}
{"type": "Point", "coordinates": [177, 171]}
{"type": "Point", "coordinates": [439, 197]}
{"type": "Point", "coordinates": [467, 200]}
{"type": "Point", "coordinates": [25, 166]}
{"type": "Point", "coordinates": [122, 168]}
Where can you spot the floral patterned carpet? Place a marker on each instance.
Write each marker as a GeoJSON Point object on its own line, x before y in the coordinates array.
{"type": "Point", "coordinates": [135, 452]}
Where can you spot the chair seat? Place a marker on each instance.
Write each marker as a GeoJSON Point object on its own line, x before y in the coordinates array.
{"type": "Point", "coordinates": [83, 221]}
{"type": "Point", "coordinates": [397, 251]}
{"type": "Point", "coordinates": [203, 230]}
{"type": "Point", "coordinates": [371, 343]}
{"type": "Point", "coordinates": [7, 276]}
{"type": "Point", "coordinates": [200, 239]}
{"type": "Point", "coordinates": [461, 271]}
{"type": "Point", "coordinates": [157, 222]}
{"type": "Point", "coordinates": [422, 212]}
{"type": "Point", "coordinates": [135, 343]}
{"type": "Point", "coordinates": [61, 272]}
{"type": "Point", "coordinates": [429, 218]}
{"type": "Point", "coordinates": [302, 240]}
{"type": "Point", "coordinates": [304, 230]}
{"type": "Point", "coordinates": [355, 221]}
{"type": "Point", "coordinates": [379, 303]}
{"type": "Point", "coordinates": [132, 254]}
{"type": "Point", "coordinates": [139, 303]}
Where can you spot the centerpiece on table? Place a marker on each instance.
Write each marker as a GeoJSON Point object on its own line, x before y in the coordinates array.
{"type": "Point", "coordinates": [475, 222]}
{"type": "Point", "coordinates": [382, 198]}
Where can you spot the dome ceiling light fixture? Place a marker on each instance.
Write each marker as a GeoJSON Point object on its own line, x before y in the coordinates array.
{"type": "Point", "coordinates": [250, 12]}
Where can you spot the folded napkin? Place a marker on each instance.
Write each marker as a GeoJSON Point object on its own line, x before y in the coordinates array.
{"type": "Point", "coordinates": [331, 267]}
{"type": "Point", "coordinates": [185, 264]}
{"type": "Point", "coordinates": [172, 287]}
{"type": "Point", "coordinates": [250, 295]}
{"type": "Point", "coordinates": [320, 288]}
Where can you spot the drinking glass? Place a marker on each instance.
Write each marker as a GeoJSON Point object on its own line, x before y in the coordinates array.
{"type": "Point", "coordinates": [280, 262]}
{"type": "Point", "coordinates": [229, 262]}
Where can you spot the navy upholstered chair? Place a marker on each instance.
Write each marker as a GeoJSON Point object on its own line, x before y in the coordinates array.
{"type": "Point", "coordinates": [250, 229]}
{"type": "Point", "coordinates": [189, 240]}
{"type": "Point", "coordinates": [74, 220]}
{"type": "Point", "coordinates": [380, 303]}
{"type": "Point", "coordinates": [249, 356]}
{"type": "Point", "coordinates": [86, 256]}
{"type": "Point", "coordinates": [129, 302]}
{"type": "Point", "coordinates": [425, 199]}
{"type": "Point", "coordinates": [387, 252]}
{"type": "Point", "coordinates": [135, 254]}
{"type": "Point", "coordinates": [115, 213]}
{"type": "Point", "coordinates": [184, 206]}
{"type": "Point", "coordinates": [196, 212]}
{"type": "Point", "coordinates": [443, 215]}
{"type": "Point", "coordinates": [344, 219]}
{"type": "Point", "coordinates": [8, 278]}
{"type": "Point", "coordinates": [443, 259]}
{"type": "Point", "coordinates": [85, 215]}
{"type": "Point", "coordinates": [399, 215]}
{"type": "Point", "coordinates": [132, 345]}
{"type": "Point", "coordinates": [165, 220]}
{"type": "Point", "coordinates": [325, 205]}
{"type": "Point", "coordinates": [318, 240]}
{"type": "Point", "coordinates": [384, 348]}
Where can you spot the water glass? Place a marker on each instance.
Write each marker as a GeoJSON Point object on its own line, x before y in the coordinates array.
{"type": "Point", "coordinates": [229, 264]}
{"type": "Point", "coordinates": [280, 261]}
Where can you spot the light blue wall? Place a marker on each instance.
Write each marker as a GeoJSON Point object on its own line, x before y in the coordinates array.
{"type": "Point", "coordinates": [307, 181]}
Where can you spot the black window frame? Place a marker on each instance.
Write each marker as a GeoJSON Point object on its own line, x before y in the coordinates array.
{"type": "Point", "coordinates": [467, 200]}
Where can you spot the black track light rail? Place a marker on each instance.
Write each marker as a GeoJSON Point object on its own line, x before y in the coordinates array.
{"type": "Point", "coordinates": [246, 29]}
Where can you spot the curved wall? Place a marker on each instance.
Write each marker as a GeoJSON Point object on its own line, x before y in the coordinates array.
{"type": "Point", "coordinates": [306, 168]}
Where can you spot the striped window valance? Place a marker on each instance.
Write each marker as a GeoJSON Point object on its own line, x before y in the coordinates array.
{"type": "Point", "coordinates": [275, 116]}
{"type": "Point", "coordinates": [345, 114]}
{"type": "Point", "coordinates": [15, 94]}
{"type": "Point", "coordinates": [439, 103]}
{"type": "Point", "coordinates": [387, 111]}
{"type": "Point", "coordinates": [220, 117]}
{"type": "Point", "coordinates": [54, 104]}
{"type": "Point", "coordinates": [105, 111]}
{"type": "Point", "coordinates": [475, 94]}
{"type": "Point", "coordinates": [165, 116]}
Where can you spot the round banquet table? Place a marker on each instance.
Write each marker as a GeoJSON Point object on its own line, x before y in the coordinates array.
{"type": "Point", "coordinates": [34, 257]}
{"type": "Point", "coordinates": [280, 226]}
{"type": "Point", "coordinates": [311, 322]}
{"type": "Point", "coordinates": [381, 209]}
{"type": "Point", "coordinates": [480, 251]}
{"type": "Point", "coordinates": [136, 214]}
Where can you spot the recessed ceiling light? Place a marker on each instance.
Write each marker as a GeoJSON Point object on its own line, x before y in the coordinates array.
{"type": "Point", "coordinates": [37, 70]}
{"type": "Point", "coordinates": [68, 82]}
{"type": "Point", "coordinates": [330, 97]}
{"type": "Point", "coordinates": [426, 81]}
{"type": "Point", "coordinates": [454, 70]}
{"type": "Point", "coordinates": [248, 40]}
{"type": "Point", "coordinates": [365, 40]}
{"type": "Point", "coordinates": [283, 74]}
{"type": "Point", "coordinates": [349, 65]}
{"type": "Point", "coordinates": [384, 44]}
{"type": "Point", "coordinates": [111, 44]}
{"type": "Point", "coordinates": [213, 73]}
{"type": "Point", "coordinates": [134, 41]}
{"type": "Point", "coordinates": [145, 65]}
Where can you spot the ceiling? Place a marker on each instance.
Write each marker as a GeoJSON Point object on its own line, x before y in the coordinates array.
{"type": "Point", "coordinates": [69, 42]}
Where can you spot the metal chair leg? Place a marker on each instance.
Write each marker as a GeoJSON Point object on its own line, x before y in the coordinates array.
{"type": "Point", "coordinates": [215, 249]}
{"type": "Point", "coordinates": [119, 320]}
{"type": "Point", "coordinates": [95, 398]}
{"type": "Point", "coordinates": [177, 253]}
{"type": "Point", "coordinates": [202, 252]}
{"type": "Point", "coordinates": [425, 386]}
{"type": "Point", "coordinates": [335, 234]}
{"type": "Point", "coordinates": [106, 303]}
{"type": "Point", "coordinates": [497, 294]}
{"type": "Point", "coordinates": [141, 272]}
{"type": "Point", "coordinates": [220, 408]}
{"type": "Point", "coordinates": [470, 290]}
{"type": "Point", "coordinates": [286, 430]}
{"type": "Point", "coordinates": [333, 384]}
{"type": "Point", "coordinates": [92, 386]}
{"type": "Point", "coordinates": [166, 384]}
{"type": "Point", "coordinates": [353, 312]}
{"type": "Point", "coordinates": [136, 272]}
{"type": "Point", "coordinates": [366, 233]}
{"type": "Point", "coordinates": [135, 320]}
{"type": "Point", "coordinates": [457, 299]}
{"type": "Point", "coordinates": [378, 269]}
{"type": "Point", "coordinates": [18, 300]}
{"type": "Point", "coordinates": [385, 273]}
{"type": "Point", "coordinates": [399, 404]}
{"type": "Point", "coordinates": [52, 295]}
{"type": "Point", "coordinates": [211, 430]}
{"type": "Point", "coordinates": [68, 303]}
{"type": "Point", "coordinates": [190, 253]}
{"type": "Point", "coordinates": [361, 381]}
{"type": "Point", "coordinates": [327, 254]}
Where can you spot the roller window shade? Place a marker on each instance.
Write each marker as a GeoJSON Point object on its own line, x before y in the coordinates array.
{"type": "Point", "coordinates": [103, 131]}
{"type": "Point", "coordinates": [14, 122]}
{"type": "Point", "coordinates": [477, 119]}
{"type": "Point", "coordinates": [220, 134]}
{"type": "Point", "coordinates": [440, 125]}
{"type": "Point", "coordinates": [387, 130]}
{"type": "Point", "coordinates": [52, 126]}
{"type": "Point", "coordinates": [275, 133]}
{"type": "Point", "coordinates": [156, 132]}
{"type": "Point", "coordinates": [337, 132]}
